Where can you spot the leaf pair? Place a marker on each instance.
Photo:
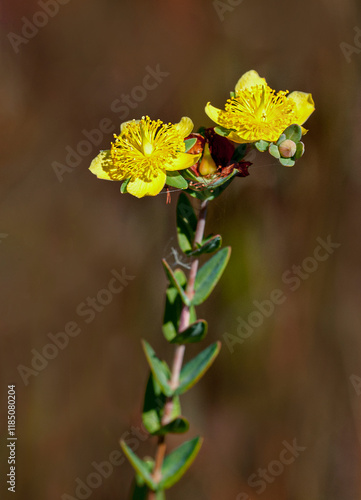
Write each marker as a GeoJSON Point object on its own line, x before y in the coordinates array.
{"type": "Point", "coordinates": [206, 279]}
{"type": "Point", "coordinates": [174, 467]}
{"type": "Point", "coordinates": [190, 373]}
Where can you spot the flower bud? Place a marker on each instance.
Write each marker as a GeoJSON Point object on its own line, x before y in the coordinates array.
{"type": "Point", "coordinates": [287, 148]}
{"type": "Point", "coordinates": [207, 165]}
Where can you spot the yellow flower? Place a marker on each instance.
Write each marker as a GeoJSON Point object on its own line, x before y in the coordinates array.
{"type": "Point", "coordinates": [256, 112]}
{"type": "Point", "coordinates": [143, 152]}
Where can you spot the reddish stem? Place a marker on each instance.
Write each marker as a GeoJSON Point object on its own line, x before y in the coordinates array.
{"type": "Point", "coordinates": [179, 351]}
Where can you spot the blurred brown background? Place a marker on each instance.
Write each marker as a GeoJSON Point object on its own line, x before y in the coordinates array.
{"type": "Point", "coordinates": [297, 377]}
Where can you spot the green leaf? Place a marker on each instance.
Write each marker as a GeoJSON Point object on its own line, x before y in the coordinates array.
{"type": "Point", "coordinates": [153, 411]}
{"type": "Point", "coordinates": [262, 145]}
{"type": "Point", "coordinates": [194, 333]}
{"type": "Point", "coordinates": [222, 131]}
{"type": "Point", "coordinates": [188, 174]}
{"type": "Point", "coordinates": [209, 275]}
{"type": "Point", "coordinates": [208, 246]}
{"type": "Point", "coordinates": [178, 426]}
{"type": "Point", "coordinates": [176, 463]}
{"type": "Point", "coordinates": [139, 466]}
{"type": "Point", "coordinates": [293, 132]}
{"type": "Point", "coordinates": [273, 150]}
{"type": "Point", "coordinates": [159, 369]}
{"type": "Point", "coordinates": [192, 314]}
{"type": "Point", "coordinates": [213, 189]}
{"type": "Point", "coordinates": [287, 162]}
{"type": "Point", "coordinates": [189, 143]}
{"type": "Point", "coordinates": [300, 149]}
{"type": "Point", "coordinates": [123, 187]}
{"type": "Point", "coordinates": [196, 368]}
{"type": "Point", "coordinates": [173, 307]}
{"type": "Point", "coordinates": [281, 138]}
{"type": "Point", "coordinates": [186, 223]}
{"type": "Point", "coordinates": [173, 280]}
{"type": "Point", "coordinates": [154, 402]}
{"type": "Point", "coordinates": [174, 179]}
{"type": "Point", "coordinates": [239, 152]}
{"type": "Point", "coordinates": [141, 493]}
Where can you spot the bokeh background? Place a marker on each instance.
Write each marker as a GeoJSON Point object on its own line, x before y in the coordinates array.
{"type": "Point", "coordinates": [298, 375]}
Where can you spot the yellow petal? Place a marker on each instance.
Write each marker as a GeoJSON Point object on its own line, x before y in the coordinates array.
{"type": "Point", "coordinates": [250, 79]}
{"type": "Point", "coordinates": [233, 136]}
{"type": "Point", "coordinates": [304, 105]}
{"type": "Point", "coordinates": [185, 126]}
{"type": "Point", "coordinates": [212, 112]}
{"type": "Point", "coordinates": [142, 187]}
{"type": "Point", "coordinates": [101, 165]}
{"type": "Point", "coordinates": [183, 160]}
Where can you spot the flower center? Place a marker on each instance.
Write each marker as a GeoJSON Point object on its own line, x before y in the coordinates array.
{"type": "Point", "coordinates": [144, 148]}
{"type": "Point", "coordinates": [258, 113]}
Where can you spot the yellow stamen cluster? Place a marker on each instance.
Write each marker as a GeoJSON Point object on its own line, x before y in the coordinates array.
{"type": "Point", "coordinates": [143, 148]}
{"type": "Point", "coordinates": [258, 112]}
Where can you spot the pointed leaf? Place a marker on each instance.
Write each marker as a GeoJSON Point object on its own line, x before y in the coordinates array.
{"type": "Point", "coordinates": [176, 463]}
{"type": "Point", "coordinates": [209, 275]}
{"type": "Point", "coordinates": [139, 466]}
{"type": "Point", "coordinates": [197, 367]}
{"type": "Point", "coordinates": [293, 132]}
{"type": "Point", "coordinates": [159, 369]}
{"type": "Point", "coordinates": [123, 187]}
{"type": "Point", "coordinates": [174, 179]}
{"type": "Point", "coordinates": [194, 333]}
{"type": "Point", "coordinates": [149, 463]}
{"type": "Point", "coordinates": [173, 280]}
{"type": "Point", "coordinates": [186, 223]}
{"type": "Point", "coordinates": [208, 246]}
{"type": "Point", "coordinates": [189, 143]}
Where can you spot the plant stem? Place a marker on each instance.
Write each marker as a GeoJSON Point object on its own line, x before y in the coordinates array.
{"type": "Point", "coordinates": [180, 349]}
{"type": "Point", "coordinates": [184, 318]}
